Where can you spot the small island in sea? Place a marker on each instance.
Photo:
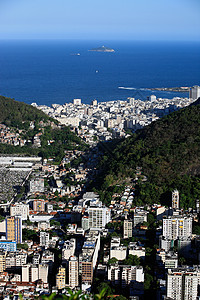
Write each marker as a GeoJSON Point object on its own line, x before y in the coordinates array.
{"type": "Point", "coordinates": [102, 49]}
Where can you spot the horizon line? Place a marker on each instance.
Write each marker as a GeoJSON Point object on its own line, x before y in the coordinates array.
{"type": "Point", "coordinates": [106, 39]}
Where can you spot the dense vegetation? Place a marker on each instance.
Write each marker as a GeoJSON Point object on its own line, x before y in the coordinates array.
{"type": "Point", "coordinates": [167, 152]}
{"type": "Point", "coordinates": [19, 114]}
{"type": "Point", "coordinates": [54, 140]}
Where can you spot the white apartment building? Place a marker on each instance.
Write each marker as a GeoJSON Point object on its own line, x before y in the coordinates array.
{"type": "Point", "coordinates": [114, 274]}
{"type": "Point", "coordinates": [115, 241]}
{"type": "Point", "coordinates": [160, 212]}
{"type": "Point", "coordinates": [44, 239]}
{"type": "Point", "coordinates": [176, 227]}
{"type": "Point", "coordinates": [36, 185]}
{"type": "Point", "coordinates": [19, 209]}
{"type": "Point", "coordinates": [85, 222]}
{"type": "Point", "coordinates": [77, 101]}
{"type": "Point", "coordinates": [36, 258]}
{"type": "Point", "coordinates": [182, 284]}
{"type": "Point", "coordinates": [99, 216]}
{"type": "Point", "coordinates": [2, 261]}
{"type": "Point", "coordinates": [34, 273]}
{"type": "Point", "coordinates": [165, 243]}
{"type": "Point", "coordinates": [68, 250]}
{"type": "Point", "coordinates": [119, 252]}
{"type": "Point", "coordinates": [175, 199]}
{"type": "Point", "coordinates": [128, 229]}
{"type": "Point", "coordinates": [44, 225]}
{"type": "Point", "coordinates": [21, 259]}
{"type": "Point", "coordinates": [139, 217]}
{"type": "Point", "coordinates": [43, 272]}
{"type": "Point", "coordinates": [73, 272]}
{"type": "Point", "coordinates": [195, 92]}
{"type": "Point", "coordinates": [25, 273]}
{"type": "Point", "coordinates": [47, 257]}
{"type": "Point", "coordinates": [134, 249]}
{"type": "Point", "coordinates": [29, 273]}
{"type": "Point", "coordinates": [16, 259]}
{"type": "Point", "coordinates": [125, 275]}
{"type": "Point", "coordinates": [171, 262]}
{"type": "Point", "coordinates": [132, 274]}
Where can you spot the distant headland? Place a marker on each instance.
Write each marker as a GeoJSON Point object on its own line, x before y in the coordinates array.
{"type": "Point", "coordinates": [172, 89]}
{"type": "Point", "coordinates": [102, 49]}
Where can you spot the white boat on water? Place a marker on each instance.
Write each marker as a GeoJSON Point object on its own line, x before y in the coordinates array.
{"type": "Point", "coordinates": [75, 54]}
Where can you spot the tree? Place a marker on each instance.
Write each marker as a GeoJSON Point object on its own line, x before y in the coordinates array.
{"type": "Point", "coordinates": [112, 261]}
{"type": "Point", "coordinates": [105, 287]}
{"type": "Point", "coordinates": [196, 229]}
{"type": "Point", "coordinates": [121, 297]}
{"type": "Point", "coordinates": [182, 260]}
{"type": "Point", "coordinates": [29, 234]}
{"type": "Point", "coordinates": [54, 223]}
{"type": "Point", "coordinates": [148, 280]}
{"type": "Point", "coordinates": [22, 246]}
{"type": "Point", "coordinates": [2, 218]}
{"type": "Point", "coordinates": [132, 260]}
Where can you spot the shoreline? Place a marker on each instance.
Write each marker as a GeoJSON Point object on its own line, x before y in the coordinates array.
{"type": "Point", "coordinates": [173, 89]}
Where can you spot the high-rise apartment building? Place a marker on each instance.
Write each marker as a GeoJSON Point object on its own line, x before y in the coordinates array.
{"type": "Point", "coordinates": [43, 272]}
{"type": "Point", "coordinates": [61, 278]}
{"type": "Point", "coordinates": [125, 275]}
{"type": "Point", "coordinates": [26, 273]}
{"type": "Point", "coordinates": [20, 209]}
{"type": "Point", "coordinates": [94, 102]}
{"type": "Point", "coordinates": [16, 259]}
{"type": "Point", "coordinates": [73, 272]}
{"type": "Point", "coordinates": [195, 92]}
{"type": "Point", "coordinates": [176, 227]}
{"type": "Point", "coordinates": [44, 239]}
{"type": "Point", "coordinates": [128, 229]}
{"type": "Point", "coordinates": [39, 205]}
{"type": "Point", "coordinates": [85, 222]}
{"type": "Point", "coordinates": [88, 257]}
{"type": "Point", "coordinates": [36, 185]}
{"type": "Point", "coordinates": [87, 271]}
{"type": "Point", "coordinates": [2, 261]}
{"type": "Point", "coordinates": [197, 205]}
{"type": "Point", "coordinates": [14, 229]}
{"type": "Point", "coordinates": [34, 273]}
{"type": "Point", "coordinates": [29, 273]}
{"type": "Point", "coordinates": [36, 259]}
{"type": "Point", "coordinates": [99, 215]}
{"type": "Point", "coordinates": [182, 284]}
{"type": "Point", "coordinates": [175, 199]}
{"type": "Point", "coordinates": [68, 249]}
{"type": "Point", "coordinates": [77, 101]}
{"type": "Point", "coordinates": [139, 217]}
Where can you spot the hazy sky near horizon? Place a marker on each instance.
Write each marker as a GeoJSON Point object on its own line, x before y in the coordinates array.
{"type": "Point", "coordinates": [100, 19]}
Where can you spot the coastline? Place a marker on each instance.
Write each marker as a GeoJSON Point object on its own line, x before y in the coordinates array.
{"type": "Point", "coordinates": [172, 89]}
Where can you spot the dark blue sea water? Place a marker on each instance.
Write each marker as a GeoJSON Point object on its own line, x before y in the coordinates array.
{"type": "Point", "coordinates": [47, 72]}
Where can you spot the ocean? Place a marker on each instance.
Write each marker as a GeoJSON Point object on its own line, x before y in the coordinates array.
{"type": "Point", "coordinates": [50, 71]}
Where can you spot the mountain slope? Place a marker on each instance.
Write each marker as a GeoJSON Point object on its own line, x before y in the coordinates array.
{"type": "Point", "coordinates": [18, 114]}
{"type": "Point", "coordinates": [42, 135]}
{"type": "Point", "coordinates": [168, 153]}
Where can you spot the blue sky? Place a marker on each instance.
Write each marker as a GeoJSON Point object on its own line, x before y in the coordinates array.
{"type": "Point", "coordinates": [100, 19]}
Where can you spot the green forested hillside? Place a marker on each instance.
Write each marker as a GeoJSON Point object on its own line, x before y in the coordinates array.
{"type": "Point", "coordinates": [54, 139]}
{"type": "Point", "coordinates": [168, 151]}
{"type": "Point", "coordinates": [19, 114]}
